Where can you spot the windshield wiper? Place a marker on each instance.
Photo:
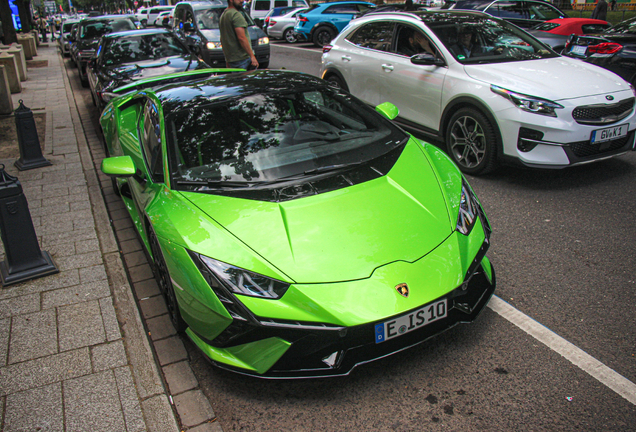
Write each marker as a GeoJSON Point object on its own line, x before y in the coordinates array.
{"type": "Point", "coordinates": [218, 183]}
{"type": "Point", "coordinates": [330, 168]}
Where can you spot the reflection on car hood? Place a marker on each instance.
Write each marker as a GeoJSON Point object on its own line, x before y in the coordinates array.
{"type": "Point", "coordinates": [128, 72]}
{"type": "Point", "coordinates": [398, 217]}
{"type": "Point", "coordinates": [555, 79]}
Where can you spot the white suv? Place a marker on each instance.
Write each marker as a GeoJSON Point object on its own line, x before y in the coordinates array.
{"type": "Point", "coordinates": [489, 90]}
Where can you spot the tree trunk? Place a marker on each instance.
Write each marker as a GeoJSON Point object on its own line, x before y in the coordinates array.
{"type": "Point", "coordinates": [24, 9]}
{"type": "Point", "coordinates": [7, 23]}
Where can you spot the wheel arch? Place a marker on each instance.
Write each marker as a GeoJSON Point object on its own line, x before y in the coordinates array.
{"type": "Point", "coordinates": [323, 24]}
{"type": "Point", "coordinates": [468, 102]}
{"type": "Point", "coordinates": [333, 72]}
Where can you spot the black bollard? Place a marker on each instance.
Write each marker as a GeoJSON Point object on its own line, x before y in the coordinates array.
{"type": "Point", "coordinates": [24, 259]}
{"type": "Point", "coordinates": [28, 141]}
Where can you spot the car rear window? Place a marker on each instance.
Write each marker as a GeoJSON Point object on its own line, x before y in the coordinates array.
{"type": "Point", "coordinates": [142, 48]}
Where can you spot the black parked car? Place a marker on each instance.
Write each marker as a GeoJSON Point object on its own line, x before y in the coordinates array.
{"type": "Point", "coordinates": [524, 13]}
{"type": "Point", "coordinates": [614, 49]}
{"type": "Point", "coordinates": [132, 55]}
{"type": "Point", "coordinates": [88, 33]}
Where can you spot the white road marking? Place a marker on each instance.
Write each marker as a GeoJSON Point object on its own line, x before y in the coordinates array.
{"type": "Point", "coordinates": [572, 353]}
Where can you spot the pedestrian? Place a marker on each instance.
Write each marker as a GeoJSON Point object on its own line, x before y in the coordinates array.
{"type": "Point", "coordinates": [600, 11]}
{"type": "Point", "coordinates": [235, 39]}
{"type": "Point", "coordinates": [42, 26]}
{"type": "Point", "coordinates": [613, 4]}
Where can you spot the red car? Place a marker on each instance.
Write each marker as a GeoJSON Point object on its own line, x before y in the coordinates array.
{"type": "Point", "coordinates": [578, 26]}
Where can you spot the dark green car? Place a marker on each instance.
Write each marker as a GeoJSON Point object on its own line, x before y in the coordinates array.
{"type": "Point", "coordinates": [295, 232]}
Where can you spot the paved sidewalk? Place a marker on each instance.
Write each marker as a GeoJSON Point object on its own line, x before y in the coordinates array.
{"type": "Point", "coordinates": [74, 355]}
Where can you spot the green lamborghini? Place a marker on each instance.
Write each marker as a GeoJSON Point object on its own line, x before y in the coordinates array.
{"type": "Point", "coordinates": [294, 231]}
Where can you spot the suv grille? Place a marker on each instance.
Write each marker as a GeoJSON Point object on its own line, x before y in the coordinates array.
{"type": "Point", "coordinates": [601, 114]}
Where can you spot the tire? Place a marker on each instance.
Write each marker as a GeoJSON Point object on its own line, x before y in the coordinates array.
{"type": "Point", "coordinates": [322, 36]}
{"type": "Point", "coordinates": [165, 284]}
{"type": "Point", "coordinates": [336, 82]}
{"type": "Point", "coordinates": [93, 98]}
{"type": "Point", "coordinates": [290, 36]}
{"type": "Point", "coordinates": [115, 187]}
{"type": "Point", "coordinates": [471, 142]}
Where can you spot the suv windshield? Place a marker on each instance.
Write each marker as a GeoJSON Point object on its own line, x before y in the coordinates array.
{"type": "Point", "coordinates": [208, 19]}
{"type": "Point", "coordinates": [140, 48]}
{"type": "Point", "coordinates": [96, 29]}
{"type": "Point", "coordinates": [485, 40]}
{"type": "Point", "coordinates": [271, 136]}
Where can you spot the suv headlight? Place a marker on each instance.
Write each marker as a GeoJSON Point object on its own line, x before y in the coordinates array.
{"type": "Point", "coordinates": [245, 282]}
{"type": "Point", "coordinates": [469, 210]}
{"type": "Point", "coordinates": [214, 45]}
{"type": "Point", "coordinates": [263, 41]}
{"type": "Point", "coordinates": [528, 103]}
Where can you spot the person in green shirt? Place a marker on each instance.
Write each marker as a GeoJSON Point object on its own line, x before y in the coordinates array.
{"type": "Point", "coordinates": [235, 38]}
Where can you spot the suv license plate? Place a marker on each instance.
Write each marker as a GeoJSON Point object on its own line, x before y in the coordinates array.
{"type": "Point", "coordinates": [608, 134]}
{"type": "Point", "coordinates": [411, 321]}
{"type": "Point", "coordinates": [578, 49]}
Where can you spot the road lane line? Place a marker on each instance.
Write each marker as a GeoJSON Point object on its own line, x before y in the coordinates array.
{"type": "Point", "coordinates": [574, 354]}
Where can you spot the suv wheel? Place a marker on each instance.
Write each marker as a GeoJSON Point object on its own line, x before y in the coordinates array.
{"type": "Point", "coordinates": [471, 141]}
{"type": "Point", "coordinates": [290, 35]}
{"type": "Point", "coordinates": [322, 36]}
{"type": "Point", "coordinates": [335, 81]}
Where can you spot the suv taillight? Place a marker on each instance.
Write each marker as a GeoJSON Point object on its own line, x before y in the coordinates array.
{"type": "Point", "coordinates": [605, 48]}
{"type": "Point", "coordinates": [326, 48]}
{"type": "Point", "coordinates": [272, 23]}
{"type": "Point", "coordinates": [302, 18]}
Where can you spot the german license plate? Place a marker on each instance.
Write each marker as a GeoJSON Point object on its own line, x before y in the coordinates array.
{"type": "Point", "coordinates": [608, 134]}
{"type": "Point", "coordinates": [578, 49]}
{"type": "Point", "coordinates": [411, 321]}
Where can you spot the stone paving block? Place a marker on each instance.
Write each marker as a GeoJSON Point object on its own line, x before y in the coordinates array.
{"type": "Point", "coordinates": [109, 317]}
{"type": "Point", "coordinates": [92, 274]}
{"type": "Point", "coordinates": [68, 237]}
{"type": "Point", "coordinates": [92, 404]}
{"type": "Point", "coordinates": [62, 279]}
{"type": "Point", "coordinates": [119, 214]}
{"type": "Point", "coordinates": [43, 371]}
{"type": "Point", "coordinates": [170, 350]}
{"type": "Point", "coordinates": [140, 273]}
{"type": "Point", "coordinates": [135, 258]}
{"type": "Point", "coordinates": [160, 327]}
{"type": "Point", "coordinates": [211, 426]}
{"type": "Point", "coordinates": [39, 409]}
{"type": "Point", "coordinates": [78, 261]}
{"type": "Point", "coordinates": [126, 234]}
{"type": "Point", "coordinates": [130, 246]}
{"type": "Point", "coordinates": [63, 225]}
{"type": "Point", "coordinates": [80, 325]}
{"type": "Point", "coordinates": [180, 377]}
{"type": "Point", "coordinates": [122, 224]}
{"type": "Point", "coordinates": [5, 325]}
{"type": "Point", "coordinates": [19, 305]}
{"type": "Point", "coordinates": [75, 294]}
{"type": "Point", "coordinates": [85, 246]}
{"type": "Point", "coordinates": [32, 336]}
{"type": "Point", "coordinates": [61, 250]}
{"type": "Point", "coordinates": [108, 356]}
{"type": "Point", "coordinates": [116, 205]}
{"type": "Point", "coordinates": [80, 205]}
{"type": "Point", "coordinates": [129, 400]}
{"type": "Point", "coordinates": [193, 408]}
{"type": "Point", "coordinates": [153, 306]}
{"type": "Point", "coordinates": [147, 288]}
{"type": "Point", "coordinates": [158, 414]}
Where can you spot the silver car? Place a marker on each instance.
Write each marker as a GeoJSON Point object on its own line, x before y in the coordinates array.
{"type": "Point", "coordinates": [65, 31]}
{"type": "Point", "coordinates": [282, 26]}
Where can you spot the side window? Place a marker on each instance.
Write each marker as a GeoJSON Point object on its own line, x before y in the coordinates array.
{"type": "Point", "coordinates": [151, 141]}
{"type": "Point", "coordinates": [543, 11]}
{"type": "Point", "coordinates": [341, 9]}
{"type": "Point", "coordinates": [411, 41]}
{"type": "Point", "coordinates": [280, 3]}
{"type": "Point", "coordinates": [508, 10]}
{"type": "Point", "coordinates": [189, 18]}
{"type": "Point", "coordinates": [178, 17]}
{"type": "Point", "coordinates": [375, 35]}
{"type": "Point", "coordinates": [262, 5]}
{"type": "Point", "coordinates": [593, 28]}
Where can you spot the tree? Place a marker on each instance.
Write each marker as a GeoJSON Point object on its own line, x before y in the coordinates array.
{"type": "Point", "coordinates": [7, 23]}
{"type": "Point", "coordinates": [24, 9]}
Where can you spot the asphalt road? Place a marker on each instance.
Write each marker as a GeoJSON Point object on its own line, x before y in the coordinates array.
{"type": "Point", "coordinates": [563, 246]}
{"type": "Point", "coordinates": [564, 249]}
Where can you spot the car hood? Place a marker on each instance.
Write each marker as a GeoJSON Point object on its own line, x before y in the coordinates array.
{"type": "Point", "coordinates": [555, 78]}
{"type": "Point", "coordinates": [345, 234]}
{"type": "Point", "coordinates": [128, 72]}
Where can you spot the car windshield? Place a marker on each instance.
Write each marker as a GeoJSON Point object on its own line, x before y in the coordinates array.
{"type": "Point", "coordinates": [625, 27]}
{"type": "Point", "coordinates": [96, 29]}
{"type": "Point", "coordinates": [267, 137]}
{"type": "Point", "coordinates": [144, 47]}
{"type": "Point", "coordinates": [485, 40]}
{"type": "Point", "coordinates": [208, 19]}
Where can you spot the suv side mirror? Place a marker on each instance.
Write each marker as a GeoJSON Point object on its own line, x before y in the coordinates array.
{"type": "Point", "coordinates": [427, 59]}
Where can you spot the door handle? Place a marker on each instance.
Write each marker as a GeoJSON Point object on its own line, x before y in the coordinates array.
{"type": "Point", "coordinates": [387, 67]}
{"type": "Point", "coordinates": [346, 57]}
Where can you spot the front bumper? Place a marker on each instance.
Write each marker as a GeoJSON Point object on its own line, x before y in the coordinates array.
{"type": "Point", "coordinates": [215, 58]}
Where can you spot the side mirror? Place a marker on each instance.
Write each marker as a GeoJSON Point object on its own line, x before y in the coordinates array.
{"type": "Point", "coordinates": [388, 110]}
{"type": "Point", "coordinates": [118, 166]}
{"type": "Point", "coordinates": [427, 59]}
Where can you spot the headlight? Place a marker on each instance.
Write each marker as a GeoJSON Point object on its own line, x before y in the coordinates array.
{"type": "Point", "coordinates": [213, 45]}
{"type": "Point", "coordinates": [263, 40]}
{"type": "Point", "coordinates": [528, 103]}
{"type": "Point", "coordinates": [244, 282]}
{"type": "Point", "coordinates": [633, 89]}
{"type": "Point", "coordinates": [469, 210]}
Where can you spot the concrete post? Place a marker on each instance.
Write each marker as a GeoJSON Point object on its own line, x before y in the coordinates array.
{"type": "Point", "coordinates": [11, 68]}
{"type": "Point", "coordinates": [28, 52]}
{"type": "Point", "coordinates": [18, 52]}
{"type": "Point", "coordinates": [6, 103]}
